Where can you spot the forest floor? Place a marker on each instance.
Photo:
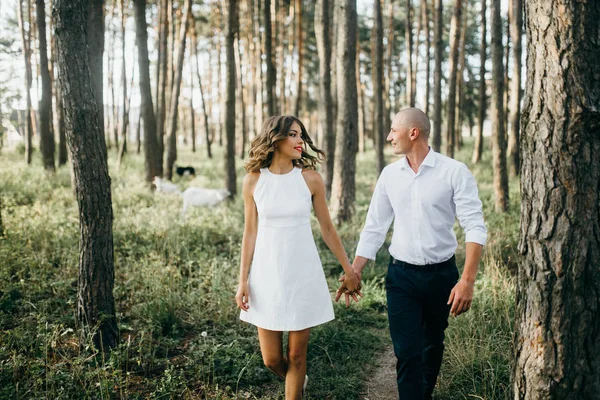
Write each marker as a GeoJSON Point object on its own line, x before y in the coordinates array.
{"type": "Point", "coordinates": [174, 285]}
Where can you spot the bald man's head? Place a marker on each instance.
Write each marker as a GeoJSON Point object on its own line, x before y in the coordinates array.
{"type": "Point", "coordinates": [413, 118]}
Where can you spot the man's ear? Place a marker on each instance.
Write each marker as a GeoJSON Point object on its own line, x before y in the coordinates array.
{"type": "Point", "coordinates": [415, 133]}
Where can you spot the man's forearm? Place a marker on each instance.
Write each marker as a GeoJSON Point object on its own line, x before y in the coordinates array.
{"type": "Point", "coordinates": [472, 260]}
{"type": "Point", "coordinates": [359, 264]}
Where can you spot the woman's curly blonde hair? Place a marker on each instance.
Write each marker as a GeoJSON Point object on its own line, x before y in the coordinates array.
{"type": "Point", "coordinates": [276, 129]}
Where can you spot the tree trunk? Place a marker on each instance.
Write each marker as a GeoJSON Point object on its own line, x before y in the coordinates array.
{"type": "Point", "coordinates": [410, 83]}
{"type": "Point", "coordinates": [300, 44]}
{"type": "Point", "coordinates": [96, 304]}
{"type": "Point", "coordinates": [460, 81]}
{"type": "Point", "coordinates": [378, 112]}
{"type": "Point", "coordinates": [323, 36]}
{"type": "Point", "coordinates": [499, 144]}
{"type": "Point", "coordinates": [425, 16]}
{"type": "Point", "coordinates": [271, 74]}
{"type": "Point", "coordinates": [230, 179]}
{"type": "Point", "coordinates": [95, 36]}
{"type": "Point", "coordinates": [361, 100]}
{"type": "Point", "coordinates": [478, 148]}
{"type": "Point", "coordinates": [163, 69]}
{"type": "Point", "coordinates": [26, 39]}
{"type": "Point", "coordinates": [516, 32]}
{"type": "Point", "coordinates": [242, 98]}
{"type": "Point", "coordinates": [437, 76]}
{"type": "Point", "coordinates": [58, 112]}
{"type": "Point", "coordinates": [204, 112]}
{"type": "Point", "coordinates": [47, 145]}
{"type": "Point", "coordinates": [125, 104]}
{"type": "Point", "coordinates": [343, 188]}
{"type": "Point", "coordinates": [192, 111]}
{"type": "Point", "coordinates": [455, 27]}
{"type": "Point", "coordinates": [174, 106]}
{"type": "Point", "coordinates": [557, 339]}
{"type": "Point", "coordinates": [138, 133]}
{"type": "Point", "coordinates": [506, 98]}
{"type": "Point", "coordinates": [151, 155]}
{"type": "Point", "coordinates": [387, 89]}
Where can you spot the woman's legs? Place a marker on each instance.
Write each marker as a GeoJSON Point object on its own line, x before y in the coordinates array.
{"type": "Point", "coordinates": [272, 351]}
{"type": "Point", "coordinates": [296, 368]}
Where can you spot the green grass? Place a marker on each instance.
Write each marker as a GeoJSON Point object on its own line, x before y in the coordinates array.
{"type": "Point", "coordinates": [174, 287]}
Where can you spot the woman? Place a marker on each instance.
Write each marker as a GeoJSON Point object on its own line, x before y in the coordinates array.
{"type": "Point", "coordinates": [282, 286]}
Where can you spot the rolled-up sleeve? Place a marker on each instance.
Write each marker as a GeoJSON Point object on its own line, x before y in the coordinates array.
{"type": "Point", "coordinates": [468, 207]}
{"type": "Point", "coordinates": [379, 219]}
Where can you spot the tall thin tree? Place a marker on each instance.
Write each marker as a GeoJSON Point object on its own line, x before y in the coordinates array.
{"type": "Point", "coordinates": [378, 107]}
{"type": "Point", "coordinates": [95, 301]}
{"type": "Point", "coordinates": [269, 57]}
{"type": "Point", "coordinates": [455, 27]}
{"type": "Point", "coordinates": [481, 111]}
{"type": "Point", "coordinates": [343, 190]}
{"type": "Point", "coordinates": [498, 138]}
{"type": "Point", "coordinates": [323, 36]}
{"type": "Point", "coordinates": [300, 50]}
{"type": "Point", "coordinates": [437, 76]}
{"type": "Point", "coordinates": [230, 178]}
{"type": "Point", "coordinates": [516, 32]}
{"type": "Point", "coordinates": [26, 40]}
{"type": "Point", "coordinates": [47, 146]}
{"type": "Point", "coordinates": [557, 338]}
{"type": "Point", "coordinates": [151, 155]}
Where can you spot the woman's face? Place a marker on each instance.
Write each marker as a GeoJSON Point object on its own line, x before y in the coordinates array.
{"type": "Point", "coordinates": [293, 145]}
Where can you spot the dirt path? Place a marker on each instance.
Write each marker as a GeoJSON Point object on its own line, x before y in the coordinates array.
{"type": "Point", "coordinates": [382, 384]}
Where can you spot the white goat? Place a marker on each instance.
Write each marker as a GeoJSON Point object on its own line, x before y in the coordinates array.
{"type": "Point", "coordinates": [199, 197]}
{"type": "Point", "coordinates": [165, 186]}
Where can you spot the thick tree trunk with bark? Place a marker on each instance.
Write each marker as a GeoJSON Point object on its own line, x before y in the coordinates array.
{"type": "Point", "coordinates": [174, 106]}
{"type": "Point", "coordinates": [230, 178]}
{"type": "Point", "coordinates": [343, 190]}
{"type": "Point", "coordinates": [516, 32]}
{"type": "Point", "coordinates": [557, 339]}
{"type": "Point", "coordinates": [26, 39]}
{"type": "Point", "coordinates": [498, 138]}
{"type": "Point", "coordinates": [455, 27]}
{"type": "Point", "coordinates": [45, 106]}
{"type": "Point", "coordinates": [96, 304]}
{"type": "Point", "coordinates": [378, 111]}
{"type": "Point", "coordinates": [323, 36]}
{"type": "Point", "coordinates": [151, 156]}
{"type": "Point", "coordinates": [481, 112]}
{"type": "Point", "coordinates": [437, 76]}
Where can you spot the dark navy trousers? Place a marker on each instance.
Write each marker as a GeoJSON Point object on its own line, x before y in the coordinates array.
{"type": "Point", "coordinates": [417, 297]}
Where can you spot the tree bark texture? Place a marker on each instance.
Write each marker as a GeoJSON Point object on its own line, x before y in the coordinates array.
{"type": "Point", "coordinates": [47, 145]}
{"type": "Point", "coordinates": [323, 36]}
{"type": "Point", "coordinates": [271, 74]}
{"type": "Point", "coordinates": [343, 188]}
{"type": "Point", "coordinates": [230, 178]}
{"type": "Point", "coordinates": [95, 305]}
{"type": "Point", "coordinates": [26, 39]}
{"type": "Point", "coordinates": [151, 155]}
{"type": "Point", "coordinates": [455, 27]}
{"type": "Point", "coordinates": [557, 340]}
{"type": "Point", "coordinates": [498, 138]}
{"type": "Point", "coordinates": [95, 36]}
{"type": "Point", "coordinates": [516, 32]}
{"type": "Point", "coordinates": [377, 70]}
{"type": "Point", "coordinates": [481, 111]}
{"type": "Point", "coordinates": [437, 76]}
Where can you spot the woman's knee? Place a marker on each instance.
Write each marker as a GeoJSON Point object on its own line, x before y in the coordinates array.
{"type": "Point", "coordinates": [272, 362]}
{"type": "Point", "coordinates": [297, 358]}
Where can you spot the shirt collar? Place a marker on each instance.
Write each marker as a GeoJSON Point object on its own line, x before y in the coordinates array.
{"type": "Point", "coordinates": [428, 161]}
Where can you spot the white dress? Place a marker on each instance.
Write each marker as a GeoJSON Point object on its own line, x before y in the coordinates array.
{"type": "Point", "coordinates": [287, 287]}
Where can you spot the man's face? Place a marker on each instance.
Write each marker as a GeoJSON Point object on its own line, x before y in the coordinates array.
{"type": "Point", "coordinates": [399, 137]}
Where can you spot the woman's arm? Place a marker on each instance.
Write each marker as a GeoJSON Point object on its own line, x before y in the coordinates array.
{"type": "Point", "coordinates": [249, 238]}
{"type": "Point", "coordinates": [328, 231]}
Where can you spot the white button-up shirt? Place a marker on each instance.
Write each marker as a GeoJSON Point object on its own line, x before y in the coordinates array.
{"type": "Point", "coordinates": [423, 206]}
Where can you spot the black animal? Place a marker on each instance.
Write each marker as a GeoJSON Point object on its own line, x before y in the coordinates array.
{"type": "Point", "coordinates": [185, 171]}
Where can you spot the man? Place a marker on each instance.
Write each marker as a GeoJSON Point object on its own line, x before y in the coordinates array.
{"type": "Point", "coordinates": [423, 193]}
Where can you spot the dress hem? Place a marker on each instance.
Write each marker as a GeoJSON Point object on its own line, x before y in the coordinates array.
{"type": "Point", "coordinates": [271, 328]}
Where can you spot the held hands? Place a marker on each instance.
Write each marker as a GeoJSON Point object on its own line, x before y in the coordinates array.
{"type": "Point", "coordinates": [461, 297]}
{"type": "Point", "coordinates": [241, 297]}
{"type": "Point", "coordinates": [350, 287]}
